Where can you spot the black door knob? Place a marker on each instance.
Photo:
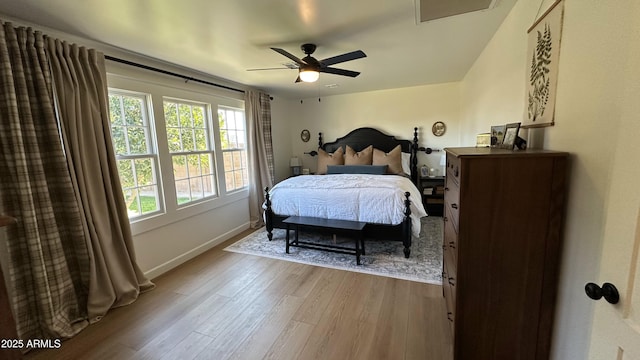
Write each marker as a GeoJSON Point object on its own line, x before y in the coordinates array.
{"type": "Point", "coordinates": [608, 291]}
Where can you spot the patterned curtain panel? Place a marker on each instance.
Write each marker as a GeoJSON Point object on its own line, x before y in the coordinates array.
{"type": "Point", "coordinates": [258, 110]}
{"type": "Point", "coordinates": [48, 262]}
{"type": "Point", "coordinates": [80, 80]}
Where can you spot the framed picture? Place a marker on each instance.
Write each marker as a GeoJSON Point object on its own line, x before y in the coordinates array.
{"type": "Point", "coordinates": [497, 135]}
{"type": "Point", "coordinates": [543, 57]}
{"type": "Point", "coordinates": [424, 171]}
{"type": "Point", "coordinates": [483, 140]}
{"type": "Point", "coordinates": [438, 128]}
{"type": "Point", "coordinates": [510, 135]}
{"type": "Point", "coordinates": [305, 135]}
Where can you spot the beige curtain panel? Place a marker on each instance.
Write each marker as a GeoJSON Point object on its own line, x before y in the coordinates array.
{"type": "Point", "coordinates": [71, 256]}
{"type": "Point", "coordinates": [258, 112]}
{"type": "Point", "coordinates": [80, 81]}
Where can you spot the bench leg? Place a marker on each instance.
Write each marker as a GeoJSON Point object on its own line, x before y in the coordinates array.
{"type": "Point", "coordinates": [357, 241]}
{"type": "Point", "coordinates": [287, 238]}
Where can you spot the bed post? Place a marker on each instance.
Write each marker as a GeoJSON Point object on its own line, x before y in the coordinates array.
{"type": "Point", "coordinates": [414, 157]}
{"type": "Point", "coordinates": [268, 214]}
{"type": "Point", "coordinates": [406, 226]}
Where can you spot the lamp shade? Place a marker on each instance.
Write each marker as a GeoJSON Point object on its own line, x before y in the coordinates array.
{"type": "Point", "coordinates": [308, 75]}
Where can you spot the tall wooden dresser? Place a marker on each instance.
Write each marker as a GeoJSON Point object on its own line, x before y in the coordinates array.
{"type": "Point", "coordinates": [503, 231]}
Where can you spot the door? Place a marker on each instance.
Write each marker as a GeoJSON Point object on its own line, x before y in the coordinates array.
{"type": "Point", "coordinates": [616, 328]}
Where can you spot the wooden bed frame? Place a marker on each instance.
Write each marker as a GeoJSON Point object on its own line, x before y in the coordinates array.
{"type": "Point", "coordinates": [359, 139]}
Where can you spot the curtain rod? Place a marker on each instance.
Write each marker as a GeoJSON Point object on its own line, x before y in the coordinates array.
{"type": "Point", "coordinates": [188, 78]}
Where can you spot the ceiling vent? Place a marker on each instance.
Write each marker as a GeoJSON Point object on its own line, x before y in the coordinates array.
{"type": "Point", "coordinates": [427, 10]}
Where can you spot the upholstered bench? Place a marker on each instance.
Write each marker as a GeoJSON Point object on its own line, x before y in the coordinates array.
{"type": "Point", "coordinates": [343, 226]}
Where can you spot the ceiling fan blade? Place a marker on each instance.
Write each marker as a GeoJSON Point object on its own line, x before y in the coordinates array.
{"type": "Point", "coordinates": [289, 55]}
{"type": "Point", "coordinates": [277, 68]}
{"type": "Point", "coordinates": [339, 72]}
{"type": "Point", "coordinates": [342, 58]}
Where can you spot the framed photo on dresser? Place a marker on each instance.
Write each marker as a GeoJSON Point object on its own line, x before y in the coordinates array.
{"type": "Point", "coordinates": [510, 135]}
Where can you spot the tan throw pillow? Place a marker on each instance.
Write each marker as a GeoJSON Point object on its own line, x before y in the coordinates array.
{"type": "Point", "coordinates": [393, 160]}
{"type": "Point", "coordinates": [325, 159]}
{"type": "Point", "coordinates": [364, 157]}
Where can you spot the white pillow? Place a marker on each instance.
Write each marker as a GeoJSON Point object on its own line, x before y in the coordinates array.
{"type": "Point", "coordinates": [406, 163]}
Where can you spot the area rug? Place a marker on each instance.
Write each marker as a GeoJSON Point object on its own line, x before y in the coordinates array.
{"type": "Point", "coordinates": [383, 258]}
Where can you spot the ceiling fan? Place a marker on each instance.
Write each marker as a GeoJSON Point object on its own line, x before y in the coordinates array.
{"type": "Point", "coordinates": [309, 68]}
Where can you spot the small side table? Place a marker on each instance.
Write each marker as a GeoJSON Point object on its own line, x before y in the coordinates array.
{"type": "Point", "coordinates": [432, 189]}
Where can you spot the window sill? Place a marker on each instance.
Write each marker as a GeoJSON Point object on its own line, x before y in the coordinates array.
{"type": "Point", "coordinates": [178, 214]}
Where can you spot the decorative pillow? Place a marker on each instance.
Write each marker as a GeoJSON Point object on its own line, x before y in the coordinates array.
{"type": "Point", "coordinates": [357, 169]}
{"type": "Point", "coordinates": [363, 157]}
{"type": "Point", "coordinates": [406, 163]}
{"type": "Point", "coordinates": [325, 159]}
{"type": "Point", "coordinates": [393, 159]}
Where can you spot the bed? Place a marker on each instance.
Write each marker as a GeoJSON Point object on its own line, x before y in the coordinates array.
{"type": "Point", "coordinates": [391, 205]}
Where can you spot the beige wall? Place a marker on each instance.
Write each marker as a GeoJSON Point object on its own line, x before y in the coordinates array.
{"type": "Point", "coordinates": [281, 116]}
{"type": "Point", "coordinates": [591, 71]}
{"type": "Point", "coordinates": [395, 112]}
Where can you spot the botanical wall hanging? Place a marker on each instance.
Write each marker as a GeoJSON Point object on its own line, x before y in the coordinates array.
{"type": "Point", "coordinates": [543, 54]}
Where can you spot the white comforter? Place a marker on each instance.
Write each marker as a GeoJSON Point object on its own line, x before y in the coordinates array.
{"type": "Point", "coordinates": [368, 198]}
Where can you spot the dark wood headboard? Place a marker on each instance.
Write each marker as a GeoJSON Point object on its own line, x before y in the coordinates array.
{"type": "Point", "coordinates": [360, 138]}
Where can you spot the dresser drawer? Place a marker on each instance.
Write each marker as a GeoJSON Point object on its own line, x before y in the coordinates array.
{"type": "Point", "coordinates": [449, 297]}
{"type": "Point", "coordinates": [450, 241]}
{"type": "Point", "coordinates": [451, 189]}
{"type": "Point", "coordinates": [452, 202]}
{"type": "Point", "coordinates": [453, 167]}
{"type": "Point", "coordinates": [450, 271]}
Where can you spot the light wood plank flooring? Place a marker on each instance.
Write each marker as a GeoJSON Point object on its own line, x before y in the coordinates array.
{"type": "Point", "coordinates": [224, 305]}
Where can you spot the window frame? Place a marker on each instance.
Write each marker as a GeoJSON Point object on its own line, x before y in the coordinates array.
{"type": "Point", "coordinates": [245, 149]}
{"type": "Point", "coordinates": [211, 151]}
{"type": "Point", "coordinates": [152, 150]}
{"type": "Point", "coordinates": [159, 88]}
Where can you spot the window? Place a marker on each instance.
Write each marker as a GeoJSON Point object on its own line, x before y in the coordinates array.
{"type": "Point", "coordinates": [135, 152]}
{"type": "Point", "coordinates": [234, 148]}
{"type": "Point", "coordinates": [190, 146]}
{"type": "Point", "coordinates": [170, 157]}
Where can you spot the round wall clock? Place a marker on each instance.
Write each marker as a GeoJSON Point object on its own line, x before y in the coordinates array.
{"type": "Point", "coordinates": [438, 128]}
{"type": "Point", "coordinates": [305, 135]}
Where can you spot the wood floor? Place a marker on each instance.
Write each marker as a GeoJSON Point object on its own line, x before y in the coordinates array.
{"type": "Point", "coordinates": [224, 305]}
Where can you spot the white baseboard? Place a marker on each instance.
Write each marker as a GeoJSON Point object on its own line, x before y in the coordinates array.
{"type": "Point", "coordinates": [178, 260]}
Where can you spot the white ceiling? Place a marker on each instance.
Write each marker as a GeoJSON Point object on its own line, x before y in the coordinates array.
{"type": "Point", "coordinates": [224, 38]}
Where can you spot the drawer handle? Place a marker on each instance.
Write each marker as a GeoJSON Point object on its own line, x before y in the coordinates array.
{"type": "Point", "coordinates": [452, 281]}
{"type": "Point", "coordinates": [446, 219]}
{"type": "Point", "coordinates": [455, 206]}
{"type": "Point", "coordinates": [449, 316]}
{"type": "Point", "coordinates": [452, 244]}
{"type": "Point", "coordinates": [446, 189]}
{"type": "Point", "coordinates": [455, 172]}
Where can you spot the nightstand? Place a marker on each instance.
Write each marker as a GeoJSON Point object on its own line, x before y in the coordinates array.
{"type": "Point", "coordinates": [432, 189]}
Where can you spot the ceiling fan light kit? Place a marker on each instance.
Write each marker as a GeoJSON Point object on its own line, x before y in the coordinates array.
{"type": "Point", "coordinates": [309, 68]}
{"type": "Point", "coordinates": [309, 75]}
